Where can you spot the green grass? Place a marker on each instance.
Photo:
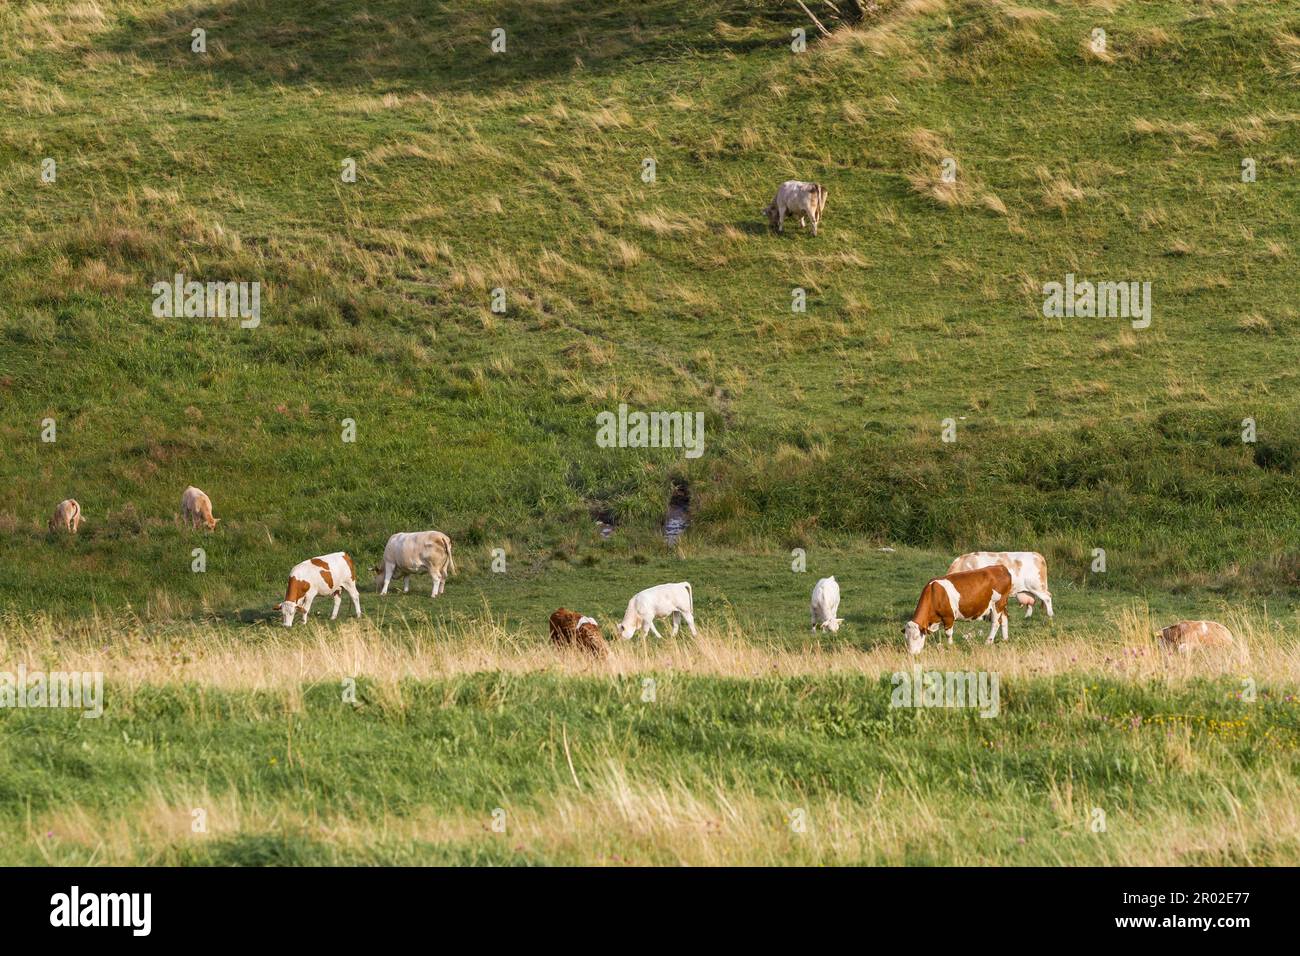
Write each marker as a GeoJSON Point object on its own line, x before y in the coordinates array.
{"type": "Point", "coordinates": [823, 428]}
{"type": "Point", "coordinates": [459, 749]}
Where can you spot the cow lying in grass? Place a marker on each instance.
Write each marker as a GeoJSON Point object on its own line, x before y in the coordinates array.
{"type": "Point", "coordinates": [963, 596]}
{"type": "Point", "coordinates": [1187, 636]}
{"type": "Point", "coordinates": [571, 629]}
{"type": "Point", "coordinates": [330, 574]}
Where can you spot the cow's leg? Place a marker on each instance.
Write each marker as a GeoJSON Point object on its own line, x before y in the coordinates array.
{"type": "Point", "coordinates": [338, 599]}
{"type": "Point", "coordinates": [689, 618]}
{"type": "Point", "coordinates": [815, 220]}
{"type": "Point", "coordinates": [780, 219]}
{"type": "Point", "coordinates": [677, 624]}
{"type": "Point", "coordinates": [388, 576]}
{"type": "Point", "coordinates": [994, 629]}
{"type": "Point", "coordinates": [653, 630]}
{"type": "Point", "coordinates": [356, 598]}
{"type": "Point", "coordinates": [1005, 619]}
{"type": "Point", "coordinates": [306, 604]}
{"type": "Point", "coordinates": [406, 584]}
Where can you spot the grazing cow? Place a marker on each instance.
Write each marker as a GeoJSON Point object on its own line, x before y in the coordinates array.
{"type": "Point", "coordinates": [825, 605]}
{"type": "Point", "coordinates": [961, 596]}
{"type": "Point", "coordinates": [658, 601]}
{"type": "Point", "coordinates": [1186, 636]}
{"type": "Point", "coordinates": [196, 507]}
{"type": "Point", "coordinates": [410, 552]}
{"type": "Point", "coordinates": [67, 515]}
{"type": "Point", "coordinates": [1028, 574]}
{"type": "Point", "coordinates": [795, 198]}
{"type": "Point", "coordinates": [571, 629]}
{"type": "Point", "coordinates": [330, 574]}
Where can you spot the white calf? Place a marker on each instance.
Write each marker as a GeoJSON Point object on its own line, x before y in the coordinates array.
{"type": "Point", "coordinates": [658, 601]}
{"type": "Point", "coordinates": [825, 605]}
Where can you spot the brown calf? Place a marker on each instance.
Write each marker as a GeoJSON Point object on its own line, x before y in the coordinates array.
{"type": "Point", "coordinates": [571, 629]}
{"type": "Point", "coordinates": [960, 596]}
{"type": "Point", "coordinates": [1186, 636]}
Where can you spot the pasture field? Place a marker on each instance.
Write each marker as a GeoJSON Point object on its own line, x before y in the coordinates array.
{"type": "Point", "coordinates": [1172, 448]}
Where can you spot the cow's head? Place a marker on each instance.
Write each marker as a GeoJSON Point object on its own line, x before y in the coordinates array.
{"type": "Point", "coordinates": [915, 637]}
{"type": "Point", "coordinates": [378, 571]}
{"type": "Point", "coordinates": [211, 523]}
{"type": "Point", "coordinates": [833, 625]}
{"type": "Point", "coordinates": [626, 630]}
{"type": "Point", "coordinates": [288, 610]}
{"type": "Point", "coordinates": [770, 212]}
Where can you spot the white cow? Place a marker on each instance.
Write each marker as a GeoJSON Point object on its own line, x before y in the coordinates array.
{"type": "Point", "coordinates": [1028, 574]}
{"type": "Point", "coordinates": [329, 574]}
{"type": "Point", "coordinates": [795, 198]}
{"type": "Point", "coordinates": [410, 552]}
{"type": "Point", "coordinates": [658, 601]}
{"type": "Point", "coordinates": [825, 605]}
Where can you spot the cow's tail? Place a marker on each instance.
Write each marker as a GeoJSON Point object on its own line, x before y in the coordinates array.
{"type": "Point", "coordinates": [451, 564]}
{"type": "Point", "coordinates": [821, 199]}
{"type": "Point", "coordinates": [690, 596]}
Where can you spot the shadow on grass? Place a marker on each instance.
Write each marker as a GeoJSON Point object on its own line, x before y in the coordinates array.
{"type": "Point", "coordinates": [424, 44]}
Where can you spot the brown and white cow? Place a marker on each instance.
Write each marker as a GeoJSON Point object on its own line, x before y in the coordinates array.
{"type": "Point", "coordinates": [961, 596]}
{"type": "Point", "coordinates": [330, 574]}
{"type": "Point", "coordinates": [1028, 574]}
{"type": "Point", "coordinates": [196, 507]}
{"type": "Point", "coordinates": [795, 198]}
{"type": "Point", "coordinates": [571, 629]}
{"type": "Point", "coordinates": [67, 516]}
{"type": "Point", "coordinates": [1187, 636]}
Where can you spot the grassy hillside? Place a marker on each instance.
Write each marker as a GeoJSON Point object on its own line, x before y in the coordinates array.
{"type": "Point", "coordinates": [824, 429]}
{"type": "Point", "coordinates": [521, 170]}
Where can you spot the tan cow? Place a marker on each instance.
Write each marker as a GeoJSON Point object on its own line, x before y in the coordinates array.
{"type": "Point", "coordinates": [1186, 636]}
{"type": "Point", "coordinates": [67, 516]}
{"type": "Point", "coordinates": [571, 629]}
{"type": "Point", "coordinates": [1028, 574]}
{"type": "Point", "coordinates": [196, 507]}
{"type": "Point", "coordinates": [795, 198]}
{"type": "Point", "coordinates": [962, 596]}
{"type": "Point", "coordinates": [410, 552]}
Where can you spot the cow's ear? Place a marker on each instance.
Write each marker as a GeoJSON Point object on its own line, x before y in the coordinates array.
{"type": "Point", "coordinates": [278, 606]}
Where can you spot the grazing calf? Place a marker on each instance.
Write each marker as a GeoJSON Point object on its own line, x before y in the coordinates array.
{"type": "Point", "coordinates": [658, 601]}
{"type": "Point", "coordinates": [825, 605]}
{"type": "Point", "coordinates": [795, 198]}
{"type": "Point", "coordinates": [330, 574]}
{"type": "Point", "coordinates": [410, 552]}
{"type": "Point", "coordinates": [1028, 574]}
{"type": "Point", "coordinates": [963, 596]}
{"type": "Point", "coordinates": [67, 516]}
{"type": "Point", "coordinates": [571, 629]}
{"type": "Point", "coordinates": [196, 507]}
{"type": "Point", "coordinates": [1186, 636]}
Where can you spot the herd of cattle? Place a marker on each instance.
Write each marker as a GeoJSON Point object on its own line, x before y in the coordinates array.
{"type": "Point", "coordinates": [978, 585]}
